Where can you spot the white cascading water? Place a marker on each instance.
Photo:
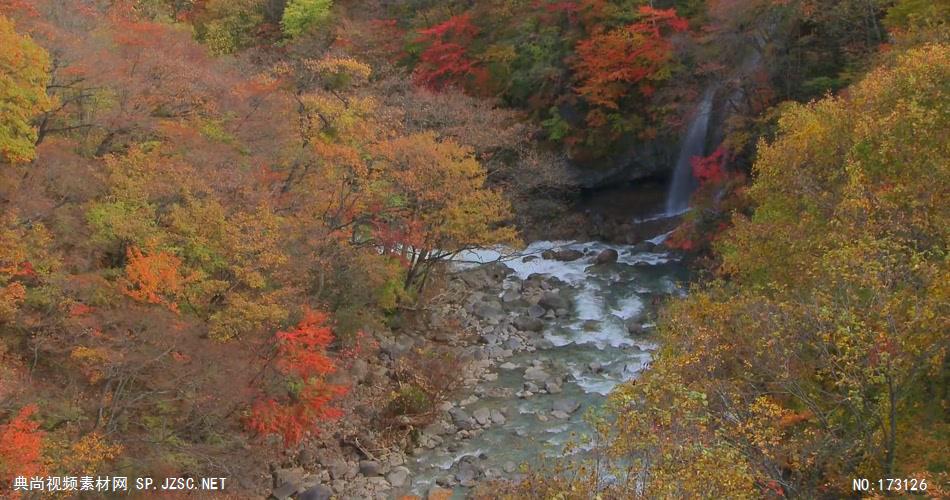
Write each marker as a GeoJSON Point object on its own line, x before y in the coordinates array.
{"type": "Point", "coordinates": [693, 145]}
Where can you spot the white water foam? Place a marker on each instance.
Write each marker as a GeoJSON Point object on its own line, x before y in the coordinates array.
{"type": "Point", "coordinates": [628, 307]}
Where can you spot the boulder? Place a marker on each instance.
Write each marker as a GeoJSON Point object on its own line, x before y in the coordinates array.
{"type": "Point", "coordinates": [552, 301]}
{"type": "Point", "coordinates": [398, 477]}
{"type": "Point", "coordinates": [489, 311]}
{"type": "Point", "coordinates": [370, 468]}
{"type": "Point", "coordinates": [606, 256]}
{"type": "Point", "coordinates": [497, 417]}
{"type": "Point", "coordinates": [633, 326]}
{"type": "Point", "coordinates": [284, 491]}
{"type": "Point", "coordinates": [643, 246]}
{"type": "Point", "coordinates": [535, 311]}
{"type": "Point", "coordinates": [536, 374]}
{"type": "Point", "coordinates": [338, 469]}
{"type": "Point", "coordinates": [510, 296]}
{"type": "Point", "coordinates": [497, 271]}
{"type": "Point", "coordinates": [566, 405]}
{"type": "Point", "coordinates": [318, 492]}
{"type": "Point", "coordinates": [566, 254]}
{"type": "Point", "coordinates": [528, 323]}
{"type": "Point", "coordinates": [461, 419]}
{"type": "Point", "coordinates": [476, 280]}
{"type": "Point", "coordinates": [482, 416]}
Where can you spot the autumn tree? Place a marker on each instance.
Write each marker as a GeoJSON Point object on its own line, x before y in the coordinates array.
{"type": "Point", "coordinates": [21, 448]}
{"type": "Point", "coordinates": [818, 355]}
{"type": "Point", "coordinates": [446, 60]}
{"type": "Point", "coordinates": [24, 73]}
{"type": "Point", "coordinates": [302, 358]}
{"type": "Point", "coordinates": [301, 15]}
{"type": "Point", "coordinates": [613, 64]}
{"type": "Point", "coordinates": [439, 204]}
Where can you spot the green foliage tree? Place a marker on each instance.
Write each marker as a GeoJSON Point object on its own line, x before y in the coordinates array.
{"type": "Point", "coordinates": [301, 15]}
{"type": "Point", "coordinates": [24, 73]}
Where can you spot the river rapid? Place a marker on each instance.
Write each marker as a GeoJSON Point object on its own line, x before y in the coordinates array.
{"type": "Point", "coordinates": [560, 324]}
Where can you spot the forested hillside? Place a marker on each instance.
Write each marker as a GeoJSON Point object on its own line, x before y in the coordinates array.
{"type": "Point", "coordinates": [225, 227]}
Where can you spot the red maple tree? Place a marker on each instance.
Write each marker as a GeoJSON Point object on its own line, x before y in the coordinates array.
{"type": "Point", "coordinates": [302, 356]}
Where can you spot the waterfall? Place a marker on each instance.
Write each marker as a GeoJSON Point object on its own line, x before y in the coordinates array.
{"type": "Point", "coordinates": [694, 144]}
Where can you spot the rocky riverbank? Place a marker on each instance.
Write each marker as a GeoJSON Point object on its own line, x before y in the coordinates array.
{"type": "Point", "coordinates": [540, 338]}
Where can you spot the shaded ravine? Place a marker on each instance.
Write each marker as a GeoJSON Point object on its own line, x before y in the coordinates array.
{"type": "Point", "coordinates": [532, 398]}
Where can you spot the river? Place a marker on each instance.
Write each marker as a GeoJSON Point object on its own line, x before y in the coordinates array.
{"type": "Point", "coordinates": [588, 351]}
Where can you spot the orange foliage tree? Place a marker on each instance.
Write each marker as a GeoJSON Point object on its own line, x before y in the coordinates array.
{"type": "Point", "coordinates": [21, 443]}
{"type": "Point", "coordinates": [155, 278]}
{"type": "Point", "coordinates": [302, 358]}
{"type": "Point", "coordinates": [611, 63]}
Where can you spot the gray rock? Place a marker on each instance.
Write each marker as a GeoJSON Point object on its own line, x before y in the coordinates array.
{"type": "Point", "coordinates": [567, 405]}
{"type": "Point", "coordinates": [606, 256]}
{"type": "Point", "coordinates": [564, 254]}
{"type": "Point", "coordinates": [633, 326]}
{"type": "Point", "coordinates": [528, 323]}
{"type": "Point", "coordinates": [500, 393]}
{"type": "Point", "coordinates": [338, 485]}
{"type": "Point", "coordinates": [482, 416]}
{"type": "Point", "coordinates": [489, 311]}
{"type": "Point", "coordinates": [489, 338]}
{"type": "Point", "coordinates": [552, 301]}
{"type": "Point", "coordinates": [318, 492]}
{"type": "Point", "coordinates": [535, 311]}
{"type": "Point", "coordinates": [560, 415]}
{"type": "Point", "coordinates": [338, 469]}
{"type": "Point", "coordinates": [497, 417]}
{"type": "Point", "coordinates": [477, 279]}
{"type": "Point", "coordinates": [643, 246]}
{"type": "Point", "coordinates": [536, 374]}
{"type": "Point", "coordinates": [291, 475]}
{"type": "Point", "coordinates": [370, 468]}
{"type": "Point", "coordinates": [529, 258]}
{"type": "Point", "coordinates": [467, 472]}
{"type": "Point", "coordinates": [398, 477]}
{"type": "Point", "coordinates": [285, 491]}
{"type": "Point", "coordinates": [531, 387]}
{"type": "Point", "coordinates": [510, 467]}
{"type": "Point", "coordinates": [508, 365]}
{"type": "Point", "coordinates": [461, 419]}
{"type": "Point", "coordinates": [497, 271]}
{"type": "Point", "coordinates": [595, 367]}
{"type": "Point", "coordinates": [552, 387]}
{"type": "Point", "coordinates": [510, 296]}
